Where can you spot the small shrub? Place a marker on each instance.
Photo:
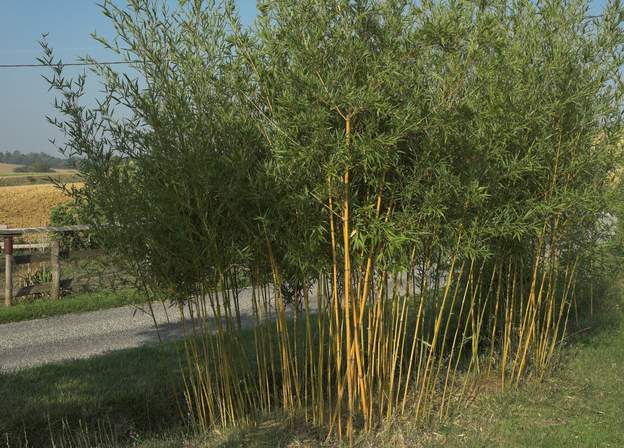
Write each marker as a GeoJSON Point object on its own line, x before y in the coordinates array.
{"type": "Point", "coordinates": [39, 166]}
{"type": "Point", "coordinates": [21, 169]}
{"type": "Point", "coordinates": [36, 276]}
{"type": "Point", "coordinates": [70, 214]}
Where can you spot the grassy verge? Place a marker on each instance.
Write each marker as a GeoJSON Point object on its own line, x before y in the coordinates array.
{"type": "Point", "coordinates": [130, 392]}
{"type": "Point", "coordinates": [580, 405]}
{"type": "Point", "coordinates": [75, 303]}
{"type": "Point", "coordinates": [134, 393]}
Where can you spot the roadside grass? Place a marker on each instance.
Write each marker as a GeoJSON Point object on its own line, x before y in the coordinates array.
{"type": "Point", "coordinates": [130, 398]}
{"type": "Point", "coordinates": [75, 303]}
{"type": "Point", "coordinates": [580, 405]}
{"type": "Point", "coordinates": [128, 392]}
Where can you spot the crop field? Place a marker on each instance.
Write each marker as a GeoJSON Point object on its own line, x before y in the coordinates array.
{"type": "Point", "coordinates": [24, 179]}
{"type": "Point", "coordinates": [29, 205]}
{"type": "Point", "coordinates": [9, 178]}
{"type": "Point", "coordinates": [7, 168]}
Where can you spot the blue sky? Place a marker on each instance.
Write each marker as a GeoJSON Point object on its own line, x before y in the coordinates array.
{"type": "Point", "coordinates": [24, 97]}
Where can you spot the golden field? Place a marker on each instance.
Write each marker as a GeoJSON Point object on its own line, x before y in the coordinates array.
{"type": "Point", "coordinates": [29, 205]}
{"type": "Point", "coordinates": [9, 178]}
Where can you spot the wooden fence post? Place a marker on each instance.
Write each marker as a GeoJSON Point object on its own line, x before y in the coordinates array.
{"type": "Point", "coordinates": [8, 270]}
{"type": "Point", "coordinates": [55, 264]}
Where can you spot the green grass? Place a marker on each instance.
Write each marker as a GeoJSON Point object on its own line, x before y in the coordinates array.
{"type": "Point", "coordinates": [131, 395]}
{"type": "Point", "coordinates": [134, 393]}
{"type": "Point", "coordinates": [130, 390]}
{"type": "Point", "coordinates": [75, 303]}
{"type": "Point", "coordinates": [580, 405]}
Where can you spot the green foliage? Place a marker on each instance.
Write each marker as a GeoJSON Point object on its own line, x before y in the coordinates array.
{"type": "Point", "coordinates": [38, 276]}
{"type": "Point", "coordinates": [466, 146]}
{"type": "Point", "coordinates": [70, 214]}
{"type": "Point", "coordinates": [37, 167]}
{"type": "Point", "coordinates": [472, 135]}
{"type": "Point", "coordinates": [239, 135]}
{"type": "Point", "coordinates": [175, 198]}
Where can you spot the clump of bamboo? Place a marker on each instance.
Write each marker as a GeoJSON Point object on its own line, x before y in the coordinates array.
{"type": "Point", "coordinates": [360, 208]}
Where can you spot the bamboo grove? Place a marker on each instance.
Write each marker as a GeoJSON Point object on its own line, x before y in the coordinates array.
{"type": "Point", "coordinates": [397, 200]}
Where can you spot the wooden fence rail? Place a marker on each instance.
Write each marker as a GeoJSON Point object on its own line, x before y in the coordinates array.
{"type": "Point", "coordinates": [39, 257]}
{"type": "Point", "coordinates": [10, 260]}
{"type": "Point", "coordinates": [27, 246]}
{"type": "Point", "coordinates": [66, 283]}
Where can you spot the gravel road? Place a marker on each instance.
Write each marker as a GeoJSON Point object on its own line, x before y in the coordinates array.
{"type": "Point", "coordinates": [73, 336]}
{"type": "Point", "coordinates": [81, 335]}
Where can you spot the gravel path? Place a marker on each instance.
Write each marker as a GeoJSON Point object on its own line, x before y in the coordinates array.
{"type": "Point", "coordinates": [71, 336]}
{"type": "Point", "coordinates": [74, 336]}
{"type": "Point", "coordinates": [81, 335]}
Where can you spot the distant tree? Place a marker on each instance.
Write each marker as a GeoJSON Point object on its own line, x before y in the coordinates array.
{"type": "Point", "coordinates": [22, 169]}
{"type": "Point", "coordinates": [41, 166]}
{"type": "Point", "coordinates": [38, 166]}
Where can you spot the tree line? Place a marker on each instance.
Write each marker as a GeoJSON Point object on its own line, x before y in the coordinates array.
{"type": "Point", "coordinates": [36, 162]}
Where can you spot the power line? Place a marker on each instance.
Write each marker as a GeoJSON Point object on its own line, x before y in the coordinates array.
{"type": "Point", "coordinates": [69, 64]}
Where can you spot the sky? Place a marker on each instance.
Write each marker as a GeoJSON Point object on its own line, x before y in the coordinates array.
{"type": "Point", "coordinates": [24, 97]}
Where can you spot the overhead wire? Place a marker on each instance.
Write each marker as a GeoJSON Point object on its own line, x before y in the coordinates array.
{"type": "Point", "coordinates": [68, 64]}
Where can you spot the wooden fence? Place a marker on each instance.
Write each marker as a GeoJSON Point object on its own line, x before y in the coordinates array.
{"type": "Point", "coordinates": [54, 257]}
